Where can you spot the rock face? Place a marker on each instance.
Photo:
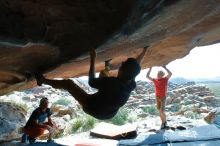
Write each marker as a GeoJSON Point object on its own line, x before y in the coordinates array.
{"type": "Point", "coordinates": [11, 119]}
{"type": "Point", "coordinates": [55, 36]}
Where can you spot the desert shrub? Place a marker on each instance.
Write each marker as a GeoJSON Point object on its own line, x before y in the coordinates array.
{"type": "Point", "coordinates": [152, 110]}
{"type": "Point", "coordinates": [89, 123]}
{"type": "Point", "coordinates": [63, 101]}
{"type": "Point", "coordinates": [192, 115]}
{"type": "Point", "coordinates": [58, 135]}
{"type": "Point", "coordinates": [83, 123]}
{"type": "Point", "coordinates": [175, 107]}
{"type": "Point", "coordinates": [186, 108]}
{"type": "Point", "coordinates": [77, 124]}
{"type": "Point", "coordinates": [188, 102]}
{"type": "Point", "coordinates": [123, 116]}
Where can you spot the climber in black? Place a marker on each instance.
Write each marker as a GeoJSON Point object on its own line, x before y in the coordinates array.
{"type": "Point", "coordinates": [113, 92]}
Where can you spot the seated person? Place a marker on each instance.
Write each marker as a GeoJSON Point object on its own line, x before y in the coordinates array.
{"type": "Point", "coordinates": [113, 92]}
{"type": "Point", "coordinates": [36, 124]}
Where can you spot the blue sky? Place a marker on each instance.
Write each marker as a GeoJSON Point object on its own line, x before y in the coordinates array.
{"type": "Point", "coordinates": [201, 62]}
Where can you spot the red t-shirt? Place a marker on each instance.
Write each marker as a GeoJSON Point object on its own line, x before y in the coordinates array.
{"type": "Point", "coordinates": [161, 86]}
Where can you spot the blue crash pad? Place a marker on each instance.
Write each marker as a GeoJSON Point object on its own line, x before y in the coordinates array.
{"type": "Point", "coordinates": [202, 133]}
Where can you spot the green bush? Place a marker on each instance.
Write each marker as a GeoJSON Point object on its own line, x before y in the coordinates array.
{"type": "Point", "coordinates": [84, 123]}
{"type": "Point", "coordinates": [58, 135]}
{"type": "Point", "coordinates": [62, 101]}
{"type": "Point", "coordinates": [77, 125]}
{"type": "Point", "coordinates": [192, 115]}
{"type": "Point", "coordinates": [123, 116]}
{"type": "Point", "coordinates": [188, 102]}
{"type": "Point", "coordinates": [186, 108]}
{"type": "Point", "coordinates": [175, 107]}
{"type": "Point", "coordinates": [152, 110]}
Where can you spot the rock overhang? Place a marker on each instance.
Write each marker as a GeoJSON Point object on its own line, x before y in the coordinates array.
{"type": "Point", "coordinates": [54, 36]}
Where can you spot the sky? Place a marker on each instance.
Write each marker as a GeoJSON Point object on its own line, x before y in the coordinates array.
{"type": "Point", "coordinates": [201, 62]}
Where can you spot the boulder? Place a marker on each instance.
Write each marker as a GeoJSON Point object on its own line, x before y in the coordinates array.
{"type": "Point", "coordinates": [12, 118]}
{"type": "Point", "coordinates": [209, 98]}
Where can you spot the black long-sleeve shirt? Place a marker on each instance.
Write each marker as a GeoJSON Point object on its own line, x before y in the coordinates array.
{"type": "Point", "coordinates": [112, 94]}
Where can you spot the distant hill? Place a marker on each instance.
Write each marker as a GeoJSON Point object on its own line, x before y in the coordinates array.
{"type": "Point", "coordinates": [177, 80]}
{"type": "Point", "coordinates": [180, 80]}
{"type": "Point", "coordinates": [210, 80]}
{"type": "Point", "coordinates": [217, 78]}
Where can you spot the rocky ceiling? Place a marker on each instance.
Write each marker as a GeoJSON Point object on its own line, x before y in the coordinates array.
{"type": "Point", "coordinates": [54, 37]}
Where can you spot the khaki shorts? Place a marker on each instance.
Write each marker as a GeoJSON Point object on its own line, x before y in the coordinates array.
{"type": "Point", "coordinates": [161, 103]}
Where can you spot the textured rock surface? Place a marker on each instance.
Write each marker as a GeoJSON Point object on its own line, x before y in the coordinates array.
{"type": "Point", "coordinates": [55, 36]}
{"type": "Point", "coordinates": [11, 119]}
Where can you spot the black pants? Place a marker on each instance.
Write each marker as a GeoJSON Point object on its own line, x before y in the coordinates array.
{"type": "Point", "coordinates": [77, 92]}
